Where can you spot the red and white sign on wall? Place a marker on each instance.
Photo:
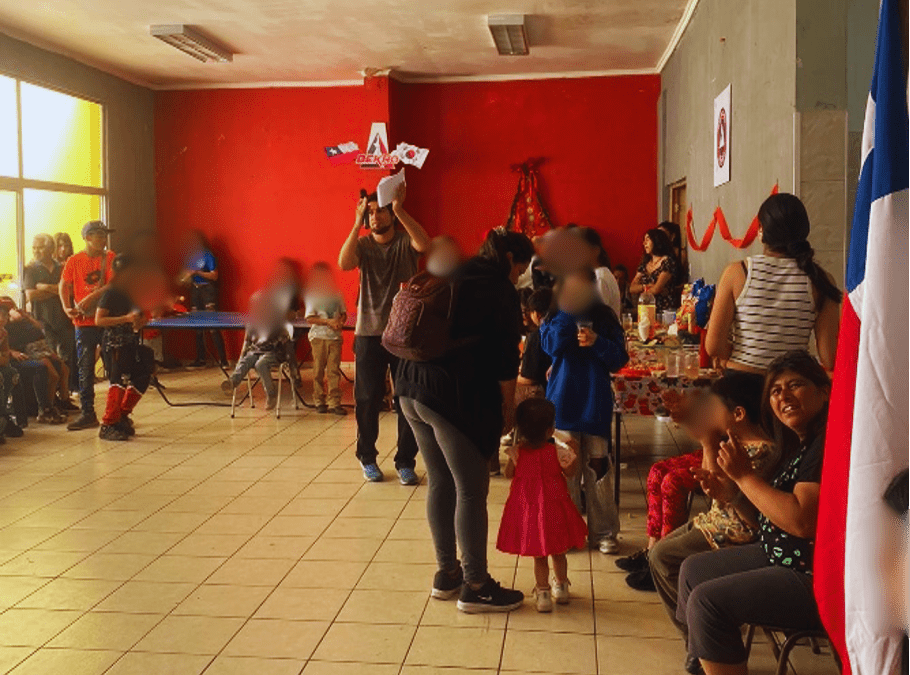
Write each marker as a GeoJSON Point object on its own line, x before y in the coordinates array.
{"type": "Point", "coordinates": [723, 122]}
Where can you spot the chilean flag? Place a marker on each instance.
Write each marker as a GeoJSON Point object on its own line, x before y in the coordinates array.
{"type": "Point", "coordinates": [868, 421]}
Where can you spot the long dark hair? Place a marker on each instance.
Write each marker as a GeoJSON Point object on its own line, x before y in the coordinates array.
{"type": "Point", "coordinates": [740, 390]}
{"type": "Point", "coordinates": [592, 238]}
{"type": "Point", "coordinates": [801, 362]}
{"type": "Point", "coordinates": [500, 242]}
{"type": "Point", "coordinates": [785, 230]}
{"type": "Point", "coordinates": [672, 230]}
{"type": "Point", "coordinates": [660, 245]}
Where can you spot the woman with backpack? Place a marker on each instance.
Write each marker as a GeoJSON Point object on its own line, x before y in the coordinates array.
{"type": "Point", "coordinates": [457, 405]}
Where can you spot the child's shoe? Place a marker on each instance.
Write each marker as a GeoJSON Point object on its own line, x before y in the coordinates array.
{"type": "Point", "coordinates": [271, 402]}
{"type": "Point", "coordinates": [228, 386]}
{"type": "Point", "coordinates": [322, 408]}
{"type": "Point", "coordinates": [560, 591]}
{"type": "Point", "coordinates": [544, 600]}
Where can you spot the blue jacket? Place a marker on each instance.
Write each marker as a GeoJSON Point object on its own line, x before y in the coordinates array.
{"type": "Point", "coordinates": [579, 384]}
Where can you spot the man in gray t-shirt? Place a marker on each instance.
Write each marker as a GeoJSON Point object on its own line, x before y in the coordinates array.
{"type": "Point", "coordinates": [386, 257]}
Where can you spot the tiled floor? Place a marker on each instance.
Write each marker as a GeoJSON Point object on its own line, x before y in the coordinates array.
{"type": "Point", "coordinates": [252, 546]}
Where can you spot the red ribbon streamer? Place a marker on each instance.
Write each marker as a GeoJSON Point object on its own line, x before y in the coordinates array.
{"type": "Point", "coordinates": [720, 221]}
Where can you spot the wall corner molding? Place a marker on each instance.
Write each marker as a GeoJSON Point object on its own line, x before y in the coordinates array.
{"type": "Point", "coordinates": [677, 34]}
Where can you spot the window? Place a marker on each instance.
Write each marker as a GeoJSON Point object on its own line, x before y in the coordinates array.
{"type": "Point", "coordinates": [51, 170]}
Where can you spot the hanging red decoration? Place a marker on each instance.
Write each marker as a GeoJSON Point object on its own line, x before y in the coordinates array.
{"type": "Point", "coordinates": [719, 221]}
{"type": "Point", "coordinates": [528, 214]}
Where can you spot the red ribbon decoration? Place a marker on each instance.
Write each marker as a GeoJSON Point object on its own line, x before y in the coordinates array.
{"type": "Point", "coordinates": [720, 221]}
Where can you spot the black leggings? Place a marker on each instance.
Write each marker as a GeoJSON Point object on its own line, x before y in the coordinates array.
{"type": "Point", "coordinates": [132, 362]}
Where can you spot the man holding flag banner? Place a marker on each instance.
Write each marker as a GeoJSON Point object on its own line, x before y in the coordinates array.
{"type": "Point", "coordinates": [867, 439]}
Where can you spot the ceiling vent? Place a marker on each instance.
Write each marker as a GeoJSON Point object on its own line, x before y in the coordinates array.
{"type": "Point", "coordinates": [509, 34]}
{"type": "Point", "coordinates": [191, 42]}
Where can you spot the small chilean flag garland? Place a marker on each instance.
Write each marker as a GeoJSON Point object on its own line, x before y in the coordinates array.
{"type": "Point", "coordinates": [720, 221]}
{"type": "Point", "coordinates": [528, 214]}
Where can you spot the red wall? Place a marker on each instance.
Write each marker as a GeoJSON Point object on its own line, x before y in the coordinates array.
{"type": "Point", "coordinates": [247, 166]}
{"type": "Point", "coordinates": [597, 136]}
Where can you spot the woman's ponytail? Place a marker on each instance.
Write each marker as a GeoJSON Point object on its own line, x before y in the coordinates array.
{"type": "Point", "coordinates": [500, 242]}
{"type": "Point", "coordinates": [804, 255]}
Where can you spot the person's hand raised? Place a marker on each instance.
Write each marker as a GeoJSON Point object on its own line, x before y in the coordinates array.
{"type": "Point", "coordinates": [716, 485]}
{"type": "Point", "coordinates": [361, 208]}
{"type": "Point", "coordinates": [733, 458]}
{"type": "Point", "coordinates": [400, 193]}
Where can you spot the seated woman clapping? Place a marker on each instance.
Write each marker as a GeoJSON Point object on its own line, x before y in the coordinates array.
{"type": "Point", "coordinates": [768, 582]}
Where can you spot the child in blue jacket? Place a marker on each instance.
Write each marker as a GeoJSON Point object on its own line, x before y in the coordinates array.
{"type": "Point", "coordinates": [586, 342]}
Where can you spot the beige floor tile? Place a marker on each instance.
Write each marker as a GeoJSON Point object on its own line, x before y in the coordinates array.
{"type": "Point", "coordinates": [146, 597]}
{"type": "Point", "coordinates": [324, 574]}
{"type": "Point", "coordinates": [361, 508]}
{"type": "Point", "coordinates": [246, 665]}
{"type": "Point", "coordinates": [576, 617]}
{"type": "Point", "coordinates": [78, 541]}
{"type": "Point", "coordinates": [252, 571]}
{"type": "Point", "coordinates": [247, 524]}
{"type": "Point", "coordinates": [225, 601]}
{"type": "Point", "coordinates": [360, 550]}
{"type": "Point", "coordinates": [633, 619]}
{"type": "Point", "coordinates": [456, 647]}
{"type": "Point", "coordinates": [12, 656]}
{"type": "Point", "coordinates": [296, 526]}
{"type": "Point", "coordinates": [190, 635]}
{"type": "Point", "coordinates": [402, 550]}
{"type": "Point", "coordinates": [413, 530]}
{"type": "Point", "coordinates": [625, 656]}
{"type": "Point", "coordinates": [403, 577]}
{"type": "Point", "coordinates": [433, 670]}
{"type": "Point", "coordinates": [277, 638]}
{"type": "Point", "coordinates": [69, 661]}
{"type": "Point", "coordinates": [111, 520]}
{"type": "Point", "coordinates": [210, 545]}
{"type": "Point", "coordinates": [172, 522]}
{"type": "Point", "coordinates": [275, 547]}
{"type": "Point", "coordinates": [150, 543]}
{"type": "Point", "coordinates": [106, 630]}
{"type": "Point", "coordinates": [41, 563]}
{"type": "Point", "coordinates": [138, 663]}
{"type": "Point", "coordinates": [384, 607]}
{"type": "Point", "coordinates": [337, 668]}
{"type": "Point", "coordinates": [549, 652]}
{"type": "Point", "coordinates": [445, 613]}
{"type": "Point", "coordinates": [303, 604]}
{"type": "Point", "coordinates": [365, 643]}
{"type": "Point", "coordinates": [70, 594]}
{"type": "Point", "coordinates": [120, 566]}
{"type": "Point", "coordinates": [268, 506]}
{"type": "Point", "coordinates": [18, 538]}
{"type": "Point", "coordinates": [357, 528]}
{"type": "Point", "coordinates": [33, 627]}
{"type": "Point", "coordinates": [611, 586]}
{"type": "Point", "coordinates": [14, 589]}
{"type": "Point", "coordinates": [180, 568]}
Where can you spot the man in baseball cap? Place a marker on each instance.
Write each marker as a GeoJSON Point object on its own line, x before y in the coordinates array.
{"type": "Point", "coordinates": [84, 279]}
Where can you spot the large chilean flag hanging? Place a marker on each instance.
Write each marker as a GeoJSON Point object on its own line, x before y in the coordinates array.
{"type": "Point", "coordinates": [868, 422]}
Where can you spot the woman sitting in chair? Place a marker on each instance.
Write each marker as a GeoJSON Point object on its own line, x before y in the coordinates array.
{"type": "Point", "coordinates": [768, 583]}
{"type": "Point", "coordinates": [264, 346]}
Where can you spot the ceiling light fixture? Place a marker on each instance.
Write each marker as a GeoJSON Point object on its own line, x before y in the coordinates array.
{"type": "Point", "coordinates": [509, 34]}
{"type": "Point", "coordinates": [191, 42]}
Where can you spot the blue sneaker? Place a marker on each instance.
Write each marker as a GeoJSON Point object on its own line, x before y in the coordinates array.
{"type": "Point", "coordinates": [407, 476]}
{"type": "Point", "coordinates": [372, 473]}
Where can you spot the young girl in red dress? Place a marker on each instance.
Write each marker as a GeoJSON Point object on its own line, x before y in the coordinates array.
{"type": "Point", "coordinates": [539, 518]}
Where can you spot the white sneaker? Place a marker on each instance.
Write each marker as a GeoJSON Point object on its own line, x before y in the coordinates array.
{"type": "Point", "coordinates": [544, 600]}
{"type": "Point", "coordinates": [560, 592]}
{"type": "Point", "coordinates": [609, 546]}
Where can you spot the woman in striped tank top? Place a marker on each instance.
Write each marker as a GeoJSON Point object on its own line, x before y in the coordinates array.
{"type": "Point", "coordinates": [770, 304]}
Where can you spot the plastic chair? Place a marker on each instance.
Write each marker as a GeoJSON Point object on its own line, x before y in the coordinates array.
{"type": "Point", "coordinates": [783, 642]}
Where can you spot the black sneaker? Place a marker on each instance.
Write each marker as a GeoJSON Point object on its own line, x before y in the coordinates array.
{"type": "Point", "coordinates": [323, 409]}
{"type": "Point", "coordinates": [198, 363]}
{"type": "Point", "coordinates": [693, 666]}
{"type": "Point", "coordinates": [446, 586]}
{"type": "Point", "coordinates": [339, 410]}
{"type": "Point", "coordinates": [125, 424]}
{"type": "Point", "coordinates": [12, 430]}
{"type": "Point", "coordinates": [641, 580]}
{"type": "Point", "coordinates": [109, 432]}
{"type": "Point", "coordinates": [635, 562]}
{"type": "Point", "coordinates": [491, 597]}
{"type": "Point", "coordinates": [84, 421]}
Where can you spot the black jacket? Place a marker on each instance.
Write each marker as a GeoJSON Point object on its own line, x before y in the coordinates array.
{"type": "Point", "coordinates": [464, 386]}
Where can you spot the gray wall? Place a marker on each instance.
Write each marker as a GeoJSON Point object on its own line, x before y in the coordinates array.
{"type": "Point", "coordinates": [757, 56]}
{"type": "Point", "coordinates": [129, 114]}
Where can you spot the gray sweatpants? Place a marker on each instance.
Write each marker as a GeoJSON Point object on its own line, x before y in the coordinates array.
{"type": "Point", "coordinates": [263, 364]}
{"type": "Point", "coordinates": [458, 484]}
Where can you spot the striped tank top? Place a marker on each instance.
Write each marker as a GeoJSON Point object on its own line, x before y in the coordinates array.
{"type": "Point", "coordinates": [775, 312]}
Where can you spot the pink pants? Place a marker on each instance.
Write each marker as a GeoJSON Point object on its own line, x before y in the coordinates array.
{"type": "Point", "coordinates": [669, 483]}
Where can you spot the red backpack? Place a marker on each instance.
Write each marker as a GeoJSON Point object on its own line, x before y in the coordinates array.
{"type": "Point", "coordinates": [420, 324]}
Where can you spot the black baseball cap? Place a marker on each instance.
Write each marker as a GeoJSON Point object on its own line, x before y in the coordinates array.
{"type": "Point", "coordinates": [94, 226]}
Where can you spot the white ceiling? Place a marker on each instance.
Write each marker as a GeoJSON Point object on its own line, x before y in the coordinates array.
{"type": "Point", "coordinates": [335, 40]}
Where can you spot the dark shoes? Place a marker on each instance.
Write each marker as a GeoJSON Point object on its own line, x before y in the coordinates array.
{"type": "Point", "coordinates": [635, 562]}
{"type": "Point", "coordinates": [641, 580]}
{"type": "Point", "coordinates": [322, 409]}
{"type": "Point", "coordinates": [339, 410]}
{"type": "Point", "coordinates": [84, 421]}
{"type": "Point", "coordinates": [446, 585]}
{"type": "Point", "coordinates": [125, 424]}
{"type": "Point", "coordinates": [693, 666]}
{"type": "Point", "coordinates": [111, 433]}
{"type": "Point", "coordinates": [12, 430]}
{"type": "Point", "coordinates": [491, 597]}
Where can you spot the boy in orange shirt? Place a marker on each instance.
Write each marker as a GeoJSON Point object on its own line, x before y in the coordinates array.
{"type": "Point", "coordinates": [84, 279]}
